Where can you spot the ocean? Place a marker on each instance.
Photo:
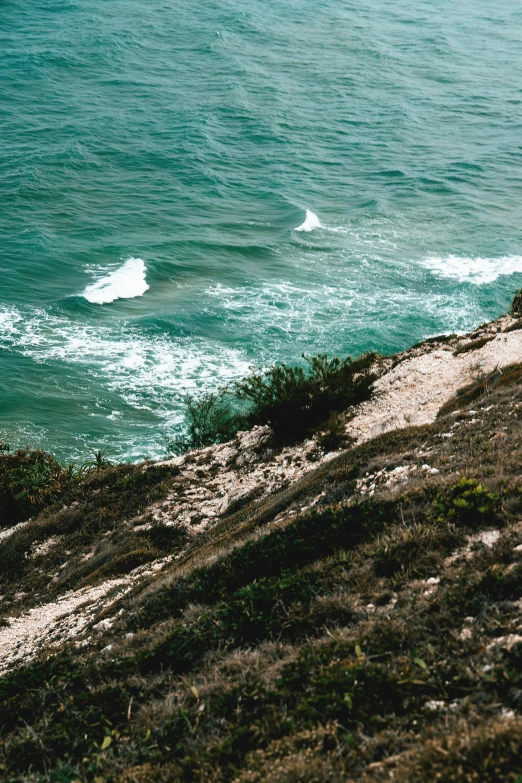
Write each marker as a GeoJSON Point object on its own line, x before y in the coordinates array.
{"type": "Point", "coordinates": [189, 190]}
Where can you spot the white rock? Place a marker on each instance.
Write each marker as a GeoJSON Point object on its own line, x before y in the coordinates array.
{"type": "Point", "coordinates": [434, 706]}
{"type": "Point", "coordinates": [104, 625]}
{"type": "Point", "coordinates": [489, 537]}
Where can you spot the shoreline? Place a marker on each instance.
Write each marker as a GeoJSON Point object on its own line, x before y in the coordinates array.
{"type": "Point", "coordinates": [423, 499]}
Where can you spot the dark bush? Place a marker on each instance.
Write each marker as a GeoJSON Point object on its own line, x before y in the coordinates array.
{"type": "Point", "coordinates": [29, 481]}
{"type": "Point", "coordinates": [296, 400]}
{"type": "Point", "coordinates": [293, 400]}
{"type": "Point", "coordinates": [516, 304]}
{"type": "Point", "coordinates": [210, 419]}
{"type": "Point", "coordinates": [166, 539]}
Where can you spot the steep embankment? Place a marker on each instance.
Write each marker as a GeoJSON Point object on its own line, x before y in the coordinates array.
{"type": "Point", "coordinates": [250, 614]}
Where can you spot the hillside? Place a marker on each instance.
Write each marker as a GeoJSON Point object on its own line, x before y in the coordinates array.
{"type": "Point", "coordinates": [248, 612]}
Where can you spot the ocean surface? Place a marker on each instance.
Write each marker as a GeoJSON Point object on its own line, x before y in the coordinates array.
{"type": "Point", "coordinates": [189, 189]}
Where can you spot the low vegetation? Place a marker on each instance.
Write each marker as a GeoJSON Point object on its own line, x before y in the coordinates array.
{"type": "Point", "coordinates": [516, 305]}
{"type": "Point", "coordinates": [294, 401]}
{"type": "Point", "coordinates": [29, 481]}
{"type": "Point", "coordinates": [360, 625]}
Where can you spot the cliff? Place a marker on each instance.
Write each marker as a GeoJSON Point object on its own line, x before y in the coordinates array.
{"type": "Point", "coordinates": [247, 612]}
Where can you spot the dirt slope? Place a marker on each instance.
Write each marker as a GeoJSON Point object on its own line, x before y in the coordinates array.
{"type": "Point", "coordinates": [246, 614]}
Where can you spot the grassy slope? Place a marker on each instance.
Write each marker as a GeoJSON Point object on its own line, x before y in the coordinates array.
{"type": "Point", "coordinates": [317, 650]}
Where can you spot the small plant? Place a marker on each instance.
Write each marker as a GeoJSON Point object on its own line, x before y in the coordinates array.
{"type": "Point", "coordinates": [211, 419]}
{"type": "Point", "coordinates": [516, 304]}
{"type": "Point", "coordinates": [469, 502]}
{"type": "Point", "coordinates": [29, 480]}
{"type": "Point", "coordinates": [333, 434]}
{"type": "Point", "coordinates": [98, 461]}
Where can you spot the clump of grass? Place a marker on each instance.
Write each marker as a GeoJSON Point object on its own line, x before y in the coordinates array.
{"type": "Point", "coordinates": [486, 754]}
{"type": "Point", "coordinates": [510, 375]}
{"type": "Point", "coordinates": [474, 345]}
{"type": "Point", "coordinates": [439, 338]}
{"type": "Point", "coordinates": [416, 552]}
{"type": "Point", "coordinates": [30, 479]}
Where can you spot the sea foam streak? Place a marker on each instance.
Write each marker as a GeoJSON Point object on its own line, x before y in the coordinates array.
{"type": "Point", "coordinates": [127, 282]}
{"type": "Point", "coordinates": [311, 221]}
{"type": "Point", "coordinates": [473, 270]}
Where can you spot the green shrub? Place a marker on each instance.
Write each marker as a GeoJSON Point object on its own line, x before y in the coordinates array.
{"type": "Point", "coordinates": [29, 481]}
{"type": "Point", "coordinates": [469, 502]}
{"type": "Point", "coordinates": [293, 400]}
{"type": "Point", "coordinates": [210, 419]}
{"type": "Point", "coordinates": [516, 304]}
{"type": "Point", "coordinates": [296, 400]}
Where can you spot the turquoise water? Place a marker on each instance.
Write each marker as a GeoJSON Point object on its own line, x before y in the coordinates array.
{"type": "Point", "coordinates": [156, 159]}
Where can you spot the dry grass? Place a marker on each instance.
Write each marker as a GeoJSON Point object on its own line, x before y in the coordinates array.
{"type": "Point", "coordinates": [344, 642]}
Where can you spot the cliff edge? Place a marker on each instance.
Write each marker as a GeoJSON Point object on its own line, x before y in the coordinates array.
{"type": "Point", "coordinates": [246, 612]}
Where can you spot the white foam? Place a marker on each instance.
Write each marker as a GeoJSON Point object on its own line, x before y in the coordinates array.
{"type": "Point", "coordinates": [478, 271]}
{"type": "Point", "coordinates": [127, 282]}
{"type": "Point", "coordinates": [143, 370]}
{"type": "Point", "coordinates": [8, 321]}
{"type": "Point", "coordinates": [311, 221]}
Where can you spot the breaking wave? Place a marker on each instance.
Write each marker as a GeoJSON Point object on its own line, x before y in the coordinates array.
{"type": "Point", "coordinates": [127, 282]}
{"type": "Point", "coordinates": [478, 271]}
{"type": "Point", "coordinates": [311, 221]}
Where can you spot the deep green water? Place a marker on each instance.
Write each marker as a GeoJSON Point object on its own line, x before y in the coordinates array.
{"type": "Point", "coordinates": [192, 137]}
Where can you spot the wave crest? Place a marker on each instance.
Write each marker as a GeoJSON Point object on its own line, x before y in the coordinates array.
{"type": "Point", "coordinates": [127, 282]}
{"type": "Point", "coordinates": [310, 222]}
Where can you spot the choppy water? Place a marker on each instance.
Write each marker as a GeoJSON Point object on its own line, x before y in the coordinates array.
{"type": "Point", "coordinates": [190, 188]}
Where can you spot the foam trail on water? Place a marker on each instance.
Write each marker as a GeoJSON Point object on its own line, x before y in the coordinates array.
{"type": "Point", "coordinates": [127, 282]}
{"type": "Point", "coordinates": [311, 221]}
{"type": "Point", "coordinates": [478, 271]}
